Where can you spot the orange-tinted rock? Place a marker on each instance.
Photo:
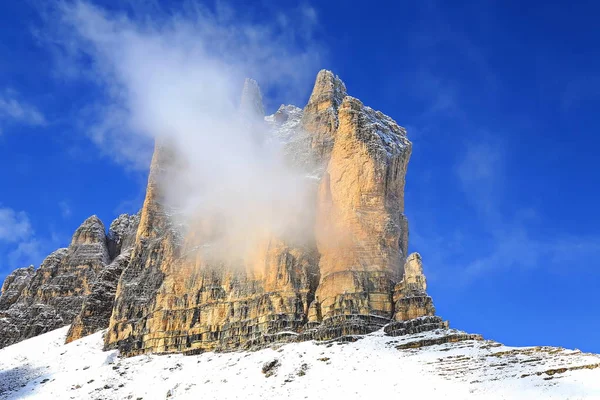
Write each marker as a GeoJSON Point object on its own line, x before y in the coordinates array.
{"type": "Point", "coordinates": [360, 227]}
{"type": "Point", "coordinates": [410, 297]}
{"type": "Point", "coordinates": [176, 295]}
{"type": "Point", "coordinates": [165, 285]}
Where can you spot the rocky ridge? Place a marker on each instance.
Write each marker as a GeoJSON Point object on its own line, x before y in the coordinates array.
{"type": "Point", "coordinates": [37, 301]}
{"type": "Point", "coordinates": [340, 282]}
{"type": "Point", "coordinates": [146, 281]}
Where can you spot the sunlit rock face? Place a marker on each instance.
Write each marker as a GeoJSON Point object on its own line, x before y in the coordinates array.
{"type": "Point", "coordinates": [337, 280]}
{"type": "Point", "coordinates": [410, 296]}
{"type": "Point", "coordinates": [361, 231]}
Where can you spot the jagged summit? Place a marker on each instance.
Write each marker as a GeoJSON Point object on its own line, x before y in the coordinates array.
{"type": "Point", "coordinates": [328, 87]}
{"type": "Point", "coordinates": [345, 279]}
{"type": "Point", "coordinates": [38, 301]}
{"type": "Point", "coordinates": [251, 101]}
{"type": "Point", "coordinates": [90, 231]}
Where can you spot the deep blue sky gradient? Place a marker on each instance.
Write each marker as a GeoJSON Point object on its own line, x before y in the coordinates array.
{"type": "Point", "coordinates": [501, 102]}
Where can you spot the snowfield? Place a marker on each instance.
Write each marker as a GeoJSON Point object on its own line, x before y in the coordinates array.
{"type": "Point", "coordinates": [371, 367]}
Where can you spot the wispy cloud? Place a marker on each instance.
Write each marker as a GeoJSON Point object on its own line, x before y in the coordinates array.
{"type": "Point", "coordinates": [495, 228]}
{"type": "Point", "coordinates": [20, 245]}
{"type": "Point", "coordinates": [177, 78]}
{"type": "Point", "coordinates": [14, 225]}
{"type": "Point", "coordinates": [17, 111]}
{"type": "Point", "coordinates": [65, 209]}
{"type": "Point", "coordinates": [27, 252]}
{"type": "Point", "coordinates": [17, 238]}
{"type": "Point", "coordinates": [513, 242]}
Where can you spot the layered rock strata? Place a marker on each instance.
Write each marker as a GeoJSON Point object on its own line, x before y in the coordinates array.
{"type": "Point", "coordinates": [158, 284]}
{"type": "Point", "coordinates": [13, 286]}
{"type": "Point", "coordinates": [98, 305]}
{"type": "Point", "coordinates": [37, 301]}
{"type": "Point", "coordinates": [340, 282]}
{"type": "Point", "coordinates": [410, 297]}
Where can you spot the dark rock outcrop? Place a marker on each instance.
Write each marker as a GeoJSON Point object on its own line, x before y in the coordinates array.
{"type": "Point", "coordinates": [121, 234]}
{"type": "Point", "coordinates": [97, 307]}
{"type": "Point", "coordinates": [56, 291]}
{"type": "Point", "coordinates": [37, 301]}
{"type": "Point", "coordinates": [13, 286]}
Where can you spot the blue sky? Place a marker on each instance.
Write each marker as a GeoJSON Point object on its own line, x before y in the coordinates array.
{"type": "Point", "coordinates": [500, 100]}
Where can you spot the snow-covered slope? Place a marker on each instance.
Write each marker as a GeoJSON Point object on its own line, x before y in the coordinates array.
{"type": "Point", "coordinates": [371, 367]}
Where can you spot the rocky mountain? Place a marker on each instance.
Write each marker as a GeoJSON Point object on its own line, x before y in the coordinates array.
{"type": "Point", "coordinates": [339, 281]}
{"type": "Point", "coordinates": [154, 285]}
{"type": "Point", "coordinates": [37, 301]}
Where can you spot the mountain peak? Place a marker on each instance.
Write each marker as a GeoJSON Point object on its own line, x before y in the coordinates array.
{"type": "Point", "coordinates": [251, 103]}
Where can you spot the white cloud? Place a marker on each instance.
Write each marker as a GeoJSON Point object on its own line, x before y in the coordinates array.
{"type": "Point", "coordinates": [20, 246]}
{"type": "Point", "coordinates": [497, 231]}
{"type": "Point", "coordinates": [65, 209]}
{"type": "Point", "coordinates": [177, 78]}
{"type": "Point", "coordinates": [14, 225]}
{"type": "Point", "coordinates": [14, 110]}
{"type": "Point", "coordinates": [17, 239]}
{"type": "Point", "coordinates": [27, 252]}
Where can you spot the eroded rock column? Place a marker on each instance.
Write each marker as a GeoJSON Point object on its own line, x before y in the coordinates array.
{"type": "Point", "coordinates": [360, 229]}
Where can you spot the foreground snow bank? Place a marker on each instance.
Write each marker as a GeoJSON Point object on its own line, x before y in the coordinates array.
{"type": "Point", "coordinates": [45, 368]}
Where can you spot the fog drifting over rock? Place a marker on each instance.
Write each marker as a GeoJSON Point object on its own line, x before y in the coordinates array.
{"type": "Point", "coordinates": [178, 81]}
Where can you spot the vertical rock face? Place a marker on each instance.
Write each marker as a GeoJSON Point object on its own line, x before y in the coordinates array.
{"type": "Point", "coordinates": [121, 234]}
{"type": "Point", "coordinates": [160, 286]}
{"type": "Point", "coordinates": [174, 298]}
{"type": "Point", "coordinates": [152, 252]}
{"type": "Point", "coordinates": [410, 297]}
{"type": "Point", "coordinates": [320, 118]}
{"type": "Point", "coordinates": [361, 231]}
{"type": "Point", "coordinates": [97, 307]}
{"type": "Point", "coordinates": [251, 103]}
{"type": "Point", "coordinates": [55, 292]}
{"type": "Point", "coordinates": [14, 284]}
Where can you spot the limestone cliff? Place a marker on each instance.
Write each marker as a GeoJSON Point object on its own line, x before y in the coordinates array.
{"type": "Point", "coordinates": [97, 307]}
{"type": "Point", "coordinates": [159, 286]}
{"type": "Point", "coordinates": [55, 292]}
{"type": "Point", "coordinates": [174, 298]}
{"type": "Point", "coordinates": [37, 301]}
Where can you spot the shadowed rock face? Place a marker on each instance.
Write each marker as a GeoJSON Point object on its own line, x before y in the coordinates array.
{"type": "Point", "coordinates": [97, 307]}
{"type": "Point", "coordinates": [55, 292]}
{"type": "Point", "coordinates": [339, 282]}
{"type": "Point", "coordinates": [14, 285]}
{"type": "Point", "coordinates": [37, 301]}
